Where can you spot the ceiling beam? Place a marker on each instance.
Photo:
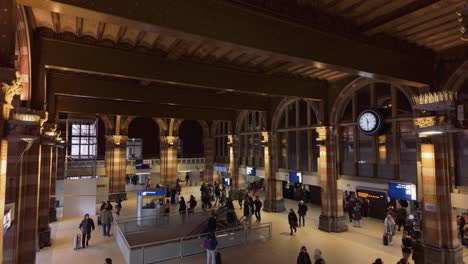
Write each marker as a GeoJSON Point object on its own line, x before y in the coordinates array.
{"type": "Point", "coordinates": [70, 104]}
{"type": "Point", "coordinates": [397, 13]}
{"type": "Point", "coordinates": [254, 32]}
{"type": "Point", "coordinates": [142, 66]}
{"type": "Point", "coordinates": [131, 90]}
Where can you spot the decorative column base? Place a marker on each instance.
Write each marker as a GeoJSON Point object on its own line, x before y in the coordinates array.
{"type": "Point", "coordinates": [436, 255]}
{"type": "Point", "coordinates": [333, 224]}
{"type": "Point", "coordinates": [114, 196]}
{"type": "Point", "coordinates": [45, 237]}
{"type": "Point", "coordinates": [274, 206]}
{"type": "Point", "coordinates": [52, 215]}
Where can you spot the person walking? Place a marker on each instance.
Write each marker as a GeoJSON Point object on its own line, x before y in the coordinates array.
{"type": "Point", "coordinates": [302, 211]}
{"type": "Point", "coordinates": [378, 261]}
{"type": "Point", "coordinates": [187, 178]}
{"type": "Point", "coordinates": [389, 228]}
{"type": "Point", "coordinates": [108, 261]}
{"type": "Point", "coordinates": [461, 227]}
{"type": "Point", "coordinates": [210, 244]}
{"type": "Point", "coordinates": [292, 220]}
{"type": "Point", "coordinates": [303, 257]}
{"type": "Point", "coordinates": [318, 257]}
{"type": "Point", "coordinates": [86, 226]}
{"type": "Point", "coordinates": [167, 207]}
{"type": "Point", "coordinates": [106, 220]}
{"type": "Point", "coordinates": [192, 203]}
{"type": "Point", "coordinates": [248, 210]}
{"type": "Point", "coordinates": [258, 207]}
{"type": "Point", "coordinates": [401, 217]}
{"type": "Point", "coordinates": [217, 192]}
{"type": "Point", "coordinates": [182, 206]}
{"type": "Point", "coordinates": [109, 206]}
{"type": "Point", "coordinates": [357, 215]}
{"type": "Point", "coordinates": [350, 209]}
{"type": "Point", "coordinates": [118, 206]}
{"type": "Point", "coordinates": [418, 251]}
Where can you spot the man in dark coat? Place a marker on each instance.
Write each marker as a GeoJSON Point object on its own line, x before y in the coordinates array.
{"type": "Point", "coordinates": [302, 211]}
{"type": "Point", "coordinates": [86, 226]}
{"type": "Point", "coordinates": [258, 206]}
{"type": "Point", "coordinates": [292, 219]}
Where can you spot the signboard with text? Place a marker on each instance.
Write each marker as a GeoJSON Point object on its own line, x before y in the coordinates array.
{"type": "Point", "coordinates": [402, 191]}
{"type": "Point", "coordinates": [370, 194]}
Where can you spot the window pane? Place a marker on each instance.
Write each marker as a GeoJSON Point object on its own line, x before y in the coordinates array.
{"type": "Point", "coordinates": [282, 149]}
{"type": "Point", "coordinates": [75, 150]}
{"type": "Point", "coordinates": [75, 140]}
{"type": "Point", "coordinates": [347, 150]}
{"type": "Point", "coordinates": [304, 153]}
{"type": "Point", "coordinates": [366, 155]}
{"type": "Point", "coordinates": [75, 130]}
{"type": "Point", "coordinates": [84, 150]}
{"type": "Point", "coordinates": [84, 141]}
{"type": "Point", "coordinates": [292, 151]}
{"type": "Point", "coordinates": [385, 154]}
{"type": "Point", "coordinates": [92, 130]}
{"type": "Point", "coordinates": [408, 157]}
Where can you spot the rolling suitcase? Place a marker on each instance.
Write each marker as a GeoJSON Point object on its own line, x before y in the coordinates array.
{"type": "Point", "coordinates": [76, 242]}
{"type": "Point", "coordinates": [218, 257]}
{"type": "Point", "coordinates": [385, 239]}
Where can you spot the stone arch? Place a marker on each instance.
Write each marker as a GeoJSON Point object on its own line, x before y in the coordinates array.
{"type": "Point", "coordinates": [346, 93]}
{"type": "Point", "coordinates": [282, 107]}
{"type": "Point", "coordinates": [244, 114]}
{"type": "Point", "coordinates": [23, 52]}
{"type": "Point", "coordinates": [125, 124]}
{"type": "Point", "coordinates": [162, 126]}
{"type": "Point", "coordinates": [456, 80]}
{"type": "Point", "coordinates": [108, 124]}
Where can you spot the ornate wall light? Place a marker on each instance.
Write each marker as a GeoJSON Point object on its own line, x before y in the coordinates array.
{"type": "Point", "coordinates": [462, 14]}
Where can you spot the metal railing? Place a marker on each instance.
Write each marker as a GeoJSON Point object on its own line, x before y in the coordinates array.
{"type": "Point", "coordinates": [191, 245]}
{"type": "Point", "coordinates": [74, 163]}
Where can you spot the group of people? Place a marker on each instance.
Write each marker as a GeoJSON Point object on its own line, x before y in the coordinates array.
{"type": "Point", "coordinates": [293, 219]}
{"type": "Point", "coordinates": [133, 179]}
{"type": "Point", "coordinates": [304, 257]}
{"type": "Point", "coordinates": [213, 193]}
{"type": "Point", "coordinates": [356, 209]}
{"type": "Point", "coordinates": [105, 219]}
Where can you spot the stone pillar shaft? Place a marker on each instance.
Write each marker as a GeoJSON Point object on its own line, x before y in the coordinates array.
{"type": "Point", "coordinates": [331, 218]}
{"type": "Point", "coordinates": [209, 153]}
{"type": "Point", "coordinates": [3, 179]}
{"type": "Point", "coordinates": [28, 204]}
{"type": "Point", "coordinates": [116, 166]}
{"type": "Point", "coordinates": [44, 195]}
{"type": "Point", "coordinates": [237, 180]}
{"type": "Point", "coordinates": [439, 227]}
{"type": "Point", "coordinates": [274, 189]}
{"type": "Point", "coordinates": [53, 181]}
{"type": "Point", "coordinates": [168, 166]}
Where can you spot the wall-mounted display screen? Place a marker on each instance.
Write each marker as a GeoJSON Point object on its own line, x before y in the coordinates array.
{"type": "Point", "coordinates": [371, 194]}
{"type": "Point", "coordinates": [251, 171]}
{"type": "Point", "coordinates": [402, 191]}
{"type": "Point", "coordinates": [227, 181]}
{"type": "Point", "coordinates": [295, 177]}
{"type": "Point", "coordinates": [221, 169]}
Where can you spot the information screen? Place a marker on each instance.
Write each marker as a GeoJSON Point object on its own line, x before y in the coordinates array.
{"type": "Point", "coordinates": [295, 177]}
{"type": "Point", "coordinates": [370, 194]}
{"type": "Point", "coordinates": [158, 194]}
{"type": "Point", "coordinates": [227, 181]}
{"type": "Point", "coordinates": [221, 169]}
{"type": "Point", "coordinates": [251, 171]}
{"type": "Point", "coordinates": [402, 191]}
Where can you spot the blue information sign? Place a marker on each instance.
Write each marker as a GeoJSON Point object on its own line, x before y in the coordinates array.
{"type": "Point", "coordinates": [295, 177]}
{"type": "Point", "coordinates": [402, 191]}
{"type": "Point", "coordinates": [251, 171]}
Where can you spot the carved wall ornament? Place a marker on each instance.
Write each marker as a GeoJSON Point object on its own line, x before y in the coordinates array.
{"type": "Point", "coordinates": [322, 133]}
{"type": "Point", "coordinates": [9, 91]}
{"type": "Point", "coordinates": [462, 14]}
{"type": "Point", "coordinates": [42, 121]}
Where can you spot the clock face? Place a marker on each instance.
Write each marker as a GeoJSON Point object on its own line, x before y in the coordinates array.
{"type": "Point", "coordinates": [368, 121]}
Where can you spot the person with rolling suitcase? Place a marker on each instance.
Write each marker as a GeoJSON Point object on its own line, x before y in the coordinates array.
{"type": "Point", "coordinates": [86, 226]}
{"type": "Point", "coordinates": [76, 242]}
{"type": "Point", "coordinates": [389, 229]}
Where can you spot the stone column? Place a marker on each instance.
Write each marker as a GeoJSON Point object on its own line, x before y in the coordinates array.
{"type": "Point", "coordinates": [24, 138]}
{"type": "Point", "coordinates": [209, 153]}
{"type": "Point", "coordinates": [168, 173]}
{"type": "Point", "coordinates": [116, 165]}
{"type": "Point", "coordinates": [331, 218]}
{"type": "Point", "coordinates": [47, 154]}
{"type": "Point", "coordinates": [233, 143]}
{"type": "Point", "coordinates": [53, 181]}
{"type": "Point", "coordinates": [274, 201]}
{"type": "Point", "coordinates": [439, 227]}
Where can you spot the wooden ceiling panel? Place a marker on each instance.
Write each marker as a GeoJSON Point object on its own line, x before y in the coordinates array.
{"type": "Point", "coordinates": [110, 32]}
{"type": "Point", "coordinates": [130, 36]}
{"type": "Point", "coordinates": [68, 24]}
{"type": "Point", "coordinates": [90, 27]}
{"type": "Point", "coordinates": [416, 17]}
{"type": "Point", "coordinates": [427, 33]}
{"type": "Point", "coordinates": [149, 39]}
{"type": "Point", "coordinates": [42, 18]}
{"type": "Point", "coordinates": [367, 6]}
{"type": "Point", "coordinates": [429, 24]}
{"type": "Point", "coordinates": [384, 9]}
{"type": "Point", "coordinates": [454, 43]}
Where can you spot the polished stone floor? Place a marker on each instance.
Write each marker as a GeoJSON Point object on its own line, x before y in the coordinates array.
{"type": "Point", "coordinates": [358, 245]}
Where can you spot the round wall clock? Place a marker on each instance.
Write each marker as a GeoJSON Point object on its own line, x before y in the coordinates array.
{"type": "Point", "coordinates": [370, 122]}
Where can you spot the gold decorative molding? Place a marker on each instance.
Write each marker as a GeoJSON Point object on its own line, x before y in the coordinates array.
{"type": "Point", "coordinates": [428, 121]}
{"type": "Point", "coordinates": [42, 121]}
{"type": "Point", "coordinates": [9, 91]}
{"type": "Point", "coordinates": [26, 117]}
{"type": "Point", "coordinates": [322, 132]}
{"type": "Point", "coordinates": [265, 137]}
{"type": "Point", "coordinates": [447, 97]}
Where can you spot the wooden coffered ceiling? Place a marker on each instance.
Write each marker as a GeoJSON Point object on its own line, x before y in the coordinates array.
{"type": "Point", "coordinates": [76, 28]}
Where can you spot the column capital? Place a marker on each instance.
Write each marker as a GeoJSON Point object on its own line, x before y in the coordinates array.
{"type": "Point", "coordinates": [8, 92]}
{"type": "Point", "coordinates": [117, 140]}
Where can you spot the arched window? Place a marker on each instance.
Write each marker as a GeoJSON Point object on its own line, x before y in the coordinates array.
{"type": "Point", "coordinates": [296, 136]}
{"type": "Point", "coordinates": [251, 126]}
{"type": "Point", "coordinates": [222, 130]}
{"type": "Point", "coordinates": [146, 130]}
{"type": "Point", "coordinates": [191, 139]}
{"type": "Point", "coordinates": [391, 155]}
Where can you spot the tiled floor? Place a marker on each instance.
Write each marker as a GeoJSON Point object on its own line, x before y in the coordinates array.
{"type": "Point", "coordinates": [358, 245]}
